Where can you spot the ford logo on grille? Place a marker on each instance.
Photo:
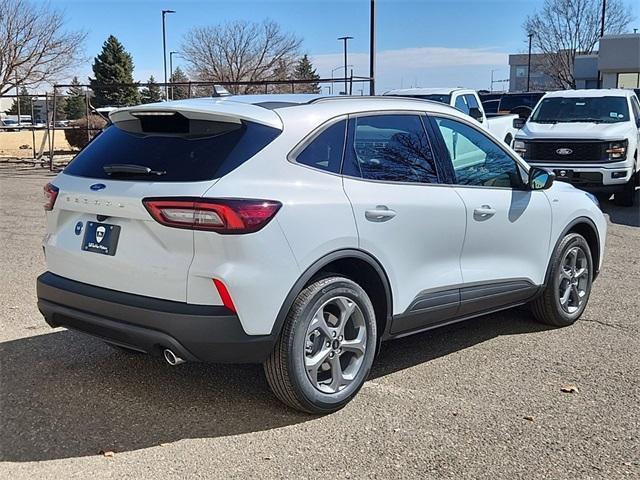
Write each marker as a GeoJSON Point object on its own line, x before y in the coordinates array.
{"type": "Point", "coordinates": [564, 151]}
{"type": "Point", "coordinates": [98, 186]}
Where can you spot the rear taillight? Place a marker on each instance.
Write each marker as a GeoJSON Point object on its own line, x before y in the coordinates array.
{"type": "Point", "coordinates": [216, 215]}
{"type": "Point", "coordinates": [50, 195]}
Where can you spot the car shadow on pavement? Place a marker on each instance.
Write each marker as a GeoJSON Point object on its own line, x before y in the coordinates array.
{"type": "Point", "coordinates": [65, 395]}
{"type": "Point", "coordinates": [629, 216]}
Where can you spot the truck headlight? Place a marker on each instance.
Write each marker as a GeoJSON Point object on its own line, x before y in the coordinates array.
{"type": "Point", "coordinates": [617, 150]}
{"type": "Point", "coordinates": [520, 146]}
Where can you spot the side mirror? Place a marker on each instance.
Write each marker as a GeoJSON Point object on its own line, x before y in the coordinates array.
{"type": "Point", "coordinates": [540, 179]}
{"type": "Point", "coordinates": [476, 114]}
{"type": "Point", "coordinates": [518, 123]}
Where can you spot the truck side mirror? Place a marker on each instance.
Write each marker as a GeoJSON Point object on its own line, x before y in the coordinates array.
{"type": "Point", "coordinates": [518, 123]}
{"type": "Point", "coordinates": [540, 179]}
{"type": "Point", "coordinates": [476, 114]}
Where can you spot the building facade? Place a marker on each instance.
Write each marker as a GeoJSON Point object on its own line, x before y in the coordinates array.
{"type": "Point", "coordinates": [615, 65]}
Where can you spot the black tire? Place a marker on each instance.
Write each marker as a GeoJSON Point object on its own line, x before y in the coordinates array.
{"type": "Point", "coordinates": [626, 198]}
{"type": "Point", "coordinates": [547, 307]}
{"type": "Point", "coordinates": [286, 367]}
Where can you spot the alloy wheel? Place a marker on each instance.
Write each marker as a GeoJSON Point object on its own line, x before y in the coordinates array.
{"type": "Point", "coordinates": [573, 279]}
{"type": "Point", "coordinates": [335, 344]}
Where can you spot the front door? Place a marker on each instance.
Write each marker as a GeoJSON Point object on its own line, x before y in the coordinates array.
{"type": "Point", "coordinates": [508, 226]}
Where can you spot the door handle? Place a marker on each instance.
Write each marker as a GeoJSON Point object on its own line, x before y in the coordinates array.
{"type": "Point", "coordinates": [381, 213]}
{"type": "Point", "coordinates": [485, 211]}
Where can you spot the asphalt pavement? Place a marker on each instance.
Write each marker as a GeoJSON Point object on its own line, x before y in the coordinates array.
{"type": "Point", "coordinates": [480, 399]}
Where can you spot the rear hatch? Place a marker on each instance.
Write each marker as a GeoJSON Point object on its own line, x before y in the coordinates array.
{"type": "Point", "coordinates": [100, 233]}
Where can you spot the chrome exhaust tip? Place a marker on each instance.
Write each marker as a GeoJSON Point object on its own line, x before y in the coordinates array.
{"type": "Point", "coordinates": [171, 358]}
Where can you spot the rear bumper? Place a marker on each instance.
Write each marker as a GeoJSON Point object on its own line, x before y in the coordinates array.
{"type": "Point", "coordinates": [194, 332]}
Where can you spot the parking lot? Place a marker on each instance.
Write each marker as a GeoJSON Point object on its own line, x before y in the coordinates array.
{"type": "Point", "coordinates": [481, 399]}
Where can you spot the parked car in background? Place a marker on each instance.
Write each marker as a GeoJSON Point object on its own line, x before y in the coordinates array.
{"type": "Point", "coordinates": [320, 227]}
{"type": "Point", "coordinates": [590, 138]}
{"type": "Point", "coordinates": [522, 104]}
{"type": "Point", "coordinates": [468, 102]}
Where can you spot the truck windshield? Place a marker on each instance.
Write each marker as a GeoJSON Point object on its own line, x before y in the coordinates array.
{"type": "Point", "coordinates": [582, 109]}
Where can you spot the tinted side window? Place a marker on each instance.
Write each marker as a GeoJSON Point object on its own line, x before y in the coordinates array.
{"type": "Point", "coordinates": [461, 104]}
{"type": "Point", "coordinates": [476, 159]}
{"type": "Point", "coordinates": [325, 150]}
{"type": "Point", "coordinates": [635, 105]}
{"type": "Point", "coordinates": [392, 148]}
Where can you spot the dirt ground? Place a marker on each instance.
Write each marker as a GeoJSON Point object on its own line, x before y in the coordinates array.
{"type": "Point", "coordinates": [11, 143]}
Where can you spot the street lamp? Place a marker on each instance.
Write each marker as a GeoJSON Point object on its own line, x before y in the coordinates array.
{"type": "Point", "coordinates": [171, 54]}
{"type": "Point", "coordinates": [529, 62]}
{"type": "Point", "coordinates": [345, 40]}
{"type": "Point", "coordinates": [164, 51]}
{"type": "Point", "coordinates": [333, 70]}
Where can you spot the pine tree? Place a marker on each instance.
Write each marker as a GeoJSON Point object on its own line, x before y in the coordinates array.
{"type": "Point", "coordinates": [113, 66]}
{"type": "Point", "coordinates": [304, 71]}
{"type": "Point", "coordinates": [179, 92]}
{"type": "Point", "coordinates": [75, 107]}
{"type": "Point", "coordinates": [25, 103]}
{"type": "Point", "coordinates": [151, 93]}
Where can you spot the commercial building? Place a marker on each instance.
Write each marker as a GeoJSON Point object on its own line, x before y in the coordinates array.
{"type": "Point", "coordinates": [615, 65]}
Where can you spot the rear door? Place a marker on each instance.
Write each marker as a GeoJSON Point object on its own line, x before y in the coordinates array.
{"type": "Point", "coordinates": [99, 231]}
{"type": "Point", "coordinates": [410, 222]}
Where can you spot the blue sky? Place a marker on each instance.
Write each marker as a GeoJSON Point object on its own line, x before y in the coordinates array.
{"type": "Point", "coordinates": [420, 43]}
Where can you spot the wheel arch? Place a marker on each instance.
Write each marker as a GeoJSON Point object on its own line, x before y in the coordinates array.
{"type": "Point", "coordinates": [587, 228]}
{"type": "Point", "coordinates": [357, 265]}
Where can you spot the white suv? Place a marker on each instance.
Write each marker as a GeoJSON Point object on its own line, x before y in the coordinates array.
{"type": "Point", "coordinates": [301, 231]}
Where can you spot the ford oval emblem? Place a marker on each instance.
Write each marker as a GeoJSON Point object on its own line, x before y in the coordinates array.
{"type": "Point", "coordinates": [98, 186]}
{"type": "Point", "coordinates": [564, 151]}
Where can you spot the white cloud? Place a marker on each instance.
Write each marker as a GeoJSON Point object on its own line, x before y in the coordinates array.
{"type": "Point", "coordinates": [424, 66]}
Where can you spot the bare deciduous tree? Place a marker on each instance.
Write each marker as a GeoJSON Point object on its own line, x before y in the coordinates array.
{"type": "Point", "coordinates": [566, 28]}
{"type": "Point", "coordinates": [239, 51]}
{"type": "Point", "coordinates": [35, 46]}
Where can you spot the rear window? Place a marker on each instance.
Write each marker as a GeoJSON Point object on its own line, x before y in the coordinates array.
{"type": "Point", "coordinates": [509, 102]}
{"type": "Point", "coordinates": [181, 158]}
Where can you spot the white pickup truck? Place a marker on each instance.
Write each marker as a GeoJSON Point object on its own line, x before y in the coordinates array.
{"type": "Point", "coordinates": [590, 138]}
{"type": "Point", "coordinates": [467, 101]}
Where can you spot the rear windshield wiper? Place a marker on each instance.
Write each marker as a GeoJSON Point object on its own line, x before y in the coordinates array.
{"type": "Point", "coordinates": [130, 168]}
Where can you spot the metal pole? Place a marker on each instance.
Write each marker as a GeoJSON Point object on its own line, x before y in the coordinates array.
{"type": "Point", "coordinates": [53, 131]}
{"type": "Point", "coordinates": [346, 80]}
{"type": "Point", "coordinates": [529, 62]}
{"type": "Point", "coordinates": [33, 130]}
{"type": "Point", "coordinates": [372, 49]}
{"type": "Point", "coordinates": [171, 79]}
{"type": "Point", "coordinates": [18, 99]}
{"type": "Point", "coordinates": [164, 51]}
{"type": "Point", "coordinates": [604, 9]}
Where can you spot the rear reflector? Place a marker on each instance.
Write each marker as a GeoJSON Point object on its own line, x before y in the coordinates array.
{"type": "Point", "coordinates": [224, 295]}
{"type": "Point", "coordinates": [216, 215]}
{"type": "Point", "coordinates": [50, 195]}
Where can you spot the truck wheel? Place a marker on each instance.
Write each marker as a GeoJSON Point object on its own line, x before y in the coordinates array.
{"type": "Point", "coordinates": [565, 296]}
{"type": "Point", "coordinates": [626, 198]}
{"type": "Point", "coordinates": [326, 348]}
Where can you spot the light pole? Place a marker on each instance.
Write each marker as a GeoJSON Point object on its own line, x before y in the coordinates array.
{"type": "Point", "coordinates": [164, 51]}
{"type": "Point", "coordinates": [372, 48]}
{"type": "Point", "coordinates": [529, 62]}
{"type": "Point", "coordinates": [491, 87]}
{"type": "Point", "coordinates": [333, 70]}
{"type": "Point", "coordinates": [171, 54]}
{"type": "Point", "coordinates": [345, 40]}
{"type": "Point", "coordinates": [604, 13]}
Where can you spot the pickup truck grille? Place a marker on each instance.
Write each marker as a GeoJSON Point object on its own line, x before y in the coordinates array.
{"type": "Point", "coordinates": [571, 151]}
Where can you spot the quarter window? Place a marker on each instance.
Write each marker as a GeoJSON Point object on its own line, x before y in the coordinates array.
{"type": "Point", "coordinates": [392, 148]}
{"type": "Point", "coordinates": [477, 160]}
{"type": "Point", "coordinates": [325, 150]}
